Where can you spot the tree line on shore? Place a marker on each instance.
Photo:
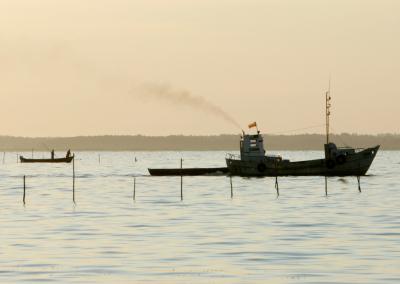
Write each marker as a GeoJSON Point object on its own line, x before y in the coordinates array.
{"type": "Point", "coordinates": [192, 143]}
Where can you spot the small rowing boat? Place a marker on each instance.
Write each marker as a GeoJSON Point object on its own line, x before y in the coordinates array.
{"type": "Point", "coordinates": [55, 160]}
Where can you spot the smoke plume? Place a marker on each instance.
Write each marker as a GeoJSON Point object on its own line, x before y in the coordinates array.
{"type": "Point", "coordinates": [183, 97]}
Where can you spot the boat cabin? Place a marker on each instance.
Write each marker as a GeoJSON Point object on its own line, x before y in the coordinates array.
{"type": "Point", "coordinates": [252, 146]}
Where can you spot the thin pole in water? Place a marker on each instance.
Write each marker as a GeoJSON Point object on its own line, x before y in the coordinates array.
{"type": "Point", "coordinates": [4, 157]}
{"type": "Point", "coordinates": [73, 179]}
{"type": "Point", "coordinates": [326, 186]}
{"type": "Point", "coordinates": [17, 157]}
{"type": "Point", "coordinates": [230, 177]}
{"type": "Point", "coordinates": [359, 183]}
{"type": "Point", "coordinates": [99, 158]}
{"type": "Point", "coordinates": [134, 189]}
{"type": "Point", "coordinates": [276, 179]}
{"type": "Point", "coordinates": [32, 153]}
{"type": "Point", "coordinates": [181, 181]}
{"type": "Point", "coordinates": [23, 197]}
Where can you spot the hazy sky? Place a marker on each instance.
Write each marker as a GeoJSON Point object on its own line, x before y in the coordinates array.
{"type": "Point", "coordinates": [76, 67]}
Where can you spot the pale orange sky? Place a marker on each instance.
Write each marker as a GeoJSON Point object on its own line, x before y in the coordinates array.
{"type": "Point", "coordinates": [72, 67]}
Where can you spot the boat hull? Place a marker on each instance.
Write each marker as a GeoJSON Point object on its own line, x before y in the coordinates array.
{"type": "Point", "coordinates": [188, 171]}
{"type": "Point", "coordinates": [57, 160]}
{"type": "Point", "coordinates": [355, 165]}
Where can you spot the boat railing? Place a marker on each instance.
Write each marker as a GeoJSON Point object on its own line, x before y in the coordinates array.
{"type": "Point", "coordinates": [232, 156]}
{"type": "Point", "coordinates": [274, 156]}
{"type": "Point", "coordinates": [356, 150]}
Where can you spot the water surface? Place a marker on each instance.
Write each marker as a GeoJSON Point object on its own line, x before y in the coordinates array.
{"type": "Point", "coordinates": [302, 236]}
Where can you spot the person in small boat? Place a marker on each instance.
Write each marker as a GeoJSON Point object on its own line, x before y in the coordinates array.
{"type": "Point", "coordinates": [52, 154]}
{"type": "Point", "coordinates": [68, 153]}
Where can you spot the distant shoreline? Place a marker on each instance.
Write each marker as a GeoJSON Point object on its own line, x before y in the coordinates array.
{"type": "Point", "coordinates": [223, 142]}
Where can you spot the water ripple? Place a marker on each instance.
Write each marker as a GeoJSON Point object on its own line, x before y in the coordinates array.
{"type": "Point", "coordinates": [208, 237]}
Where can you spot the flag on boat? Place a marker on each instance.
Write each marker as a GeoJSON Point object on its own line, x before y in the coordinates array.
{"type": "Point", "coordinates": [253, 124]}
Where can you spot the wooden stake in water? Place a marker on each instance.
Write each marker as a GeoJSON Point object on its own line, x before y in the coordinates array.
{"type": "Point", "coordinates": [326, 186]}
{"type": "Point", "coordinates": [99, 158]}
{"type": "Point", "coordinates": [17, 157]}
{"type": "Point", "coordinates": [4, 157]}
{"type": "Point", "coordinates": [134, 188]}
{"type": "Point", "coordinates": [181, 181]}
{"type": "Point", "coordinates": [230, 177]}
{"type": "Point", "coordinates": [32, 153]}
{"type": "Point", "coordinates": [276, 178]}
{"type": "Point", "coordinates": [359, 185]}
{"type": "Point", "coordinates": [73, 179]}
{"type": "Point", "coordinates": [23, 197]}
{"type": "Point", "coordinates": [277, 185]}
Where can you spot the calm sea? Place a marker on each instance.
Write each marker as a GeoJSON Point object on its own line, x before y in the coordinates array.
{"type": "Point", "coordinates": [302, 236]}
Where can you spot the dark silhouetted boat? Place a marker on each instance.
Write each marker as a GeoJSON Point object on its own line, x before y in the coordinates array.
{"type": "Point", "coordinates": [188, 171]}
{"type": "Point", "coordinates": [337, 162]}
{"type": "Point", "coordinates": [345, 161]}
{"type": "Point", "coordinates": [55, 160]}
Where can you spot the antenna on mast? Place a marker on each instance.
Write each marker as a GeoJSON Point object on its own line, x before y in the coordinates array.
{"type": "Point", "coordinates": [327, 108]}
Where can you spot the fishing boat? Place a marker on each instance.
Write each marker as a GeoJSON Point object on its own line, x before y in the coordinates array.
{"type": "Point", "coordinates": [338, 161]}
{"type": "Point", "coordinates": [54, 160]}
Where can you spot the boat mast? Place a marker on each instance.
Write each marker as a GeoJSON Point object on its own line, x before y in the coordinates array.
{"type": "Point", "coordinates": [327, 110]}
